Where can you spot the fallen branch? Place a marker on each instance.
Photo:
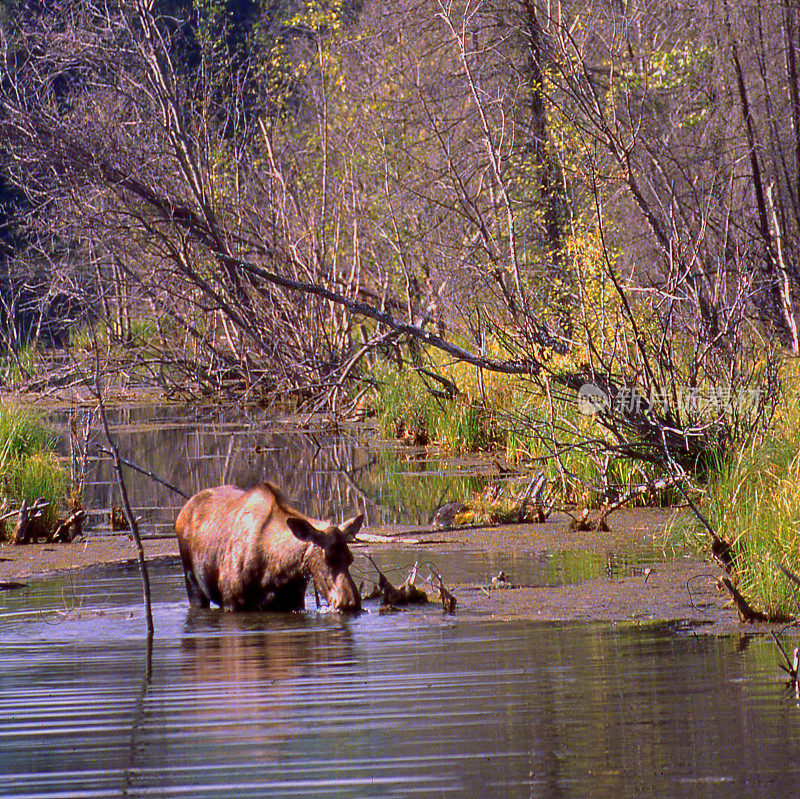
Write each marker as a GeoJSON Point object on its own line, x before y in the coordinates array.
{"type": "Point", "coordinates": [38, 506]}
{"type": "Point", "coordinates": [448, 600]}
{"type": "Point", "coordinates": [405, 594]}
{"type": "Point", "coordinates": [532, 494]}
{"type": "Point", "coordinates": [584, 524]}
{"type": "Point", "coordinates": [376, 538]}
{"type": "Point", "coordinates": [134, 527]}
{"type": "Point", "coordinates": [599, 522]}
{"type": "Point", "coordinates": [791, 575]}
{"type": "Point", "coordinates": [747, 614]}
{"type": "Point", "coordinates": [790, 666]}
{"type": "Point", "coordinates": [139, 469]}
{"type": "Point", "coordinates": [25, 515]}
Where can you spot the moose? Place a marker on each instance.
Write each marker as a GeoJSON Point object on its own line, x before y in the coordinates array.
{"type": "Point", "coordinates": [250, 550]}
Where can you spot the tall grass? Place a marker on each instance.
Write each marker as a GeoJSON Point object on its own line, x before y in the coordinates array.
{"type": "Point", "coordinates": [142, 332]}
{"type": "Point", "coordinates": [413, 408]}
{"type": "Point", "coordinates": [29, 467]}
{"type": "Point", "coordinates": [16, 368]}
{"type": "Point", "coordinates": [755, 506]}
{"type": "Point", "coordinates": [22, 433]}
{"type": "Point", "coordinates": [513, 416]}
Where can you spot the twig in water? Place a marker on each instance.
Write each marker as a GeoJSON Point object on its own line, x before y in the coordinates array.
{"type": "Point", "coordinates": [134, 527]}
{"type": "Point", "coordinates": [790, 666]}
{"type": "Point", "coordinates": [139, 469]}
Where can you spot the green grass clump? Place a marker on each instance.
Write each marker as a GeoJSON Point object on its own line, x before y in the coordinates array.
{"type": "Point", "coordinates": [141, 332]}
{"type": "Point", "coordinates": [16, 368]}
{"type": "Point", "coordinates": [756, 508]}
{"type": "Point", "coordinates": [413, 408]}
{"type": "Point", "coordinates": [29, 468]}
{"type": "Point", "coordinates": [22, 433]}
{"type": "Point", "coordinates": [514, 416]}
{"type": "Point", "coordinates": [405, 407]}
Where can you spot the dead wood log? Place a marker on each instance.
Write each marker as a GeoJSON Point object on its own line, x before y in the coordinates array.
{"type": "Point", "coordinates": [584, 524]}
{"type": "Point", "coordinates": [26, 515]}
{"type": "Point", "coordinates": [526, 497]}
{"type": "Point", "coordinates": [23, 522]}
{"type": "Point", "coordinates": [747, 614]}
{"type": "Point", "coordinates": [69, 527]}
{"type": "Point", "coordinates": [405, 594]}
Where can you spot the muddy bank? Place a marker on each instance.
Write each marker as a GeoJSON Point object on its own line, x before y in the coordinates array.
{"type": "Point", "coordinates": [683, 591]}
{"type": "Point", "coordinates": [28, 562]}
{"type": "Point", "coordinates": [674, 592]}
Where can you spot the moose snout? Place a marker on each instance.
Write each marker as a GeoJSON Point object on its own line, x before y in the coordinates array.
{"type": "Point", "coordinates": [345, 597]}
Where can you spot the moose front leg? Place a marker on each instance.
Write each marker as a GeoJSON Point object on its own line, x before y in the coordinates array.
{"type": "Point", "coordinates": [197, 599]}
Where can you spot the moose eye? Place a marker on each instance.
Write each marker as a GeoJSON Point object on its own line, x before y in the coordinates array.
{"type": "Point", "coordinates": [337, 552]}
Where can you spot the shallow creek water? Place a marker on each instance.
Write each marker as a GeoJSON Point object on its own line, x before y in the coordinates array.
{"type": "Point", "coordinates": [409, 704]}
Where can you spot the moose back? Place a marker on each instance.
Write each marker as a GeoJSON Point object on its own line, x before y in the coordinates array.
{"type": "Point", "coordinates": [250, 550]}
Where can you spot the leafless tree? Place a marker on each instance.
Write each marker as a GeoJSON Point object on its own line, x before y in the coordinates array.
{"type": "Point", "coordinates": [560, 184]}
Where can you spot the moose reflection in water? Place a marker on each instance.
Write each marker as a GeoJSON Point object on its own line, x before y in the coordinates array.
{"type": "Point", "coordinates": [250, 550]}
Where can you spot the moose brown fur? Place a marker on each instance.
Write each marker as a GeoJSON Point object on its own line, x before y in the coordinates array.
{"type": "Point", "coordinates": [250, 550]}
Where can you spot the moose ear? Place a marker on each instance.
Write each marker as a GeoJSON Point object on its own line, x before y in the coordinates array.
{"type": "Point", "coordinates": [303, 530]}
{"type": "Point", "coordinates": [350, 528]}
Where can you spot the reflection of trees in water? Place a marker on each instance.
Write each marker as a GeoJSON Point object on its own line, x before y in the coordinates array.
{"type": "Point", "coordinates": [327, 476]}
{"type": "Point", "coordinates": [319, 472]}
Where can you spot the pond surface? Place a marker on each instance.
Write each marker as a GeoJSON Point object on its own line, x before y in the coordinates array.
{"type": "Point", "coordinates": [327, 471]}
{"type": "Point", "coordinates": [317, 704]}
{"type": "Point", "coordinates": [410, 704]}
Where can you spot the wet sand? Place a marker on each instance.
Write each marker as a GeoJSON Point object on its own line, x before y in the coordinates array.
{"type": "Point", "coordinates": [682, 592]}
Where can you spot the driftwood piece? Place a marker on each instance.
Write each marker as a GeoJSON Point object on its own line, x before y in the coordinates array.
{"type": "Point", "coordinates": [526, 496]}
{"type": "Point", "coordinates": [23, 522]}
{"type": "Point", "coordinates": [447, 599]}
{"type": "Point", "coordinates": [405, 594]}
{"type": "Point", "coordinates": [533, 496]}
{"type": "Point", "coordinates": [26, 515]}
{"type": "Point", "coordinates": [69, 527]}
{"type": "Point", "coordinates": [585, 524]}
{"type": "Point", "coordinates": [376, 538]}
{"type": "Point", "coordinates": [747, 613]}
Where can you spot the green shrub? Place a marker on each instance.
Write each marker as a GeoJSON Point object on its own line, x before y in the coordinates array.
{"type": "Point", "coordinates": [17, 368]}
{"type": "Point", "coordinates": [755, 506]}
{"type": "Point", "coordinates": [22, 433]}
{"type": "Point", "coordinates": [29, 468]}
